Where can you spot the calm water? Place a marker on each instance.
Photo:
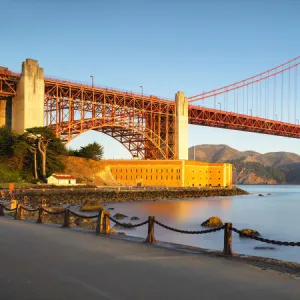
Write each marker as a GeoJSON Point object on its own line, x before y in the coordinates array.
{"type": "Point", "coordinates": [275, 216]}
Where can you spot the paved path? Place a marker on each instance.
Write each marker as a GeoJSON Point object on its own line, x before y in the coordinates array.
{"type": "Point", "coordinates": [43, 262]}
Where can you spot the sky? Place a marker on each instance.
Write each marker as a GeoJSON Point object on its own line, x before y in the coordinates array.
{"type": "Point", "coordinates": [163, 45]}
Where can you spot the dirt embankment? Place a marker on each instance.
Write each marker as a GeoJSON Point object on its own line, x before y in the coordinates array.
{"type": "Point", "coordinates": [89, 171]}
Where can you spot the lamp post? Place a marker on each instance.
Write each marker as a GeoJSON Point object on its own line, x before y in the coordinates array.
{"type": "Point", "coordinates": [92, 81]}
{"type": "Point", "coordinates": [220, 105]}
{"type": "Point", "coordinates": [250, 111]}
{"type": "Point", "coordinates": [276, 117]}
{"type": "Point", "coordinates": [297, 121]}
{"type": "Point", "coordinates": [142, 90]}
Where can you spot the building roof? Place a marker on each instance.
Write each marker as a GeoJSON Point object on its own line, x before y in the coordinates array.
{"type": "Point", "coordinates": [62, 176]}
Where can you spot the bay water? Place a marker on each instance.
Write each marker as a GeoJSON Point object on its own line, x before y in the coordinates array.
{"type": "Point", "coordinates": [276, 215]}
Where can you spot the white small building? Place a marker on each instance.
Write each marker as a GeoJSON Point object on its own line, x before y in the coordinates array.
{"type": "Point", "coordinates": [61, 179]}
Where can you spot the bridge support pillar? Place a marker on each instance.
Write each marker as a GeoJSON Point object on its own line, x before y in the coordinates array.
{"type": "Point", "coordinates": [181, 126]}
{"type": "Point", "coordinates": [28, 105]}
{"type": "Point", "coordinates": [3, 112]}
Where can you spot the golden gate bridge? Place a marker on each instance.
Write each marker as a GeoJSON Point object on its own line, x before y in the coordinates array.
{"type": "Point", "coordinates": [146, 125]}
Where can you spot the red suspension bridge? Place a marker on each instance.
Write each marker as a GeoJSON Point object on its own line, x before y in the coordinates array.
{"type": "Point", "coordinates": [146, 125]}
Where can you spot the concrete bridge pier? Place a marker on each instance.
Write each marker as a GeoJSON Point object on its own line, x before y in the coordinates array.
{"type": "Point", "coordinates": [28, 105]}
{"type": "Point", "coordinates": [181, 126]}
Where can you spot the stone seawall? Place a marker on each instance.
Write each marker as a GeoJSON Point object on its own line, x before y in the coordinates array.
{"type": "Point", "coordinates": [81, 196]}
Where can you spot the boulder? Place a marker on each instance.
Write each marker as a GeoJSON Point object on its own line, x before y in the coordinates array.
{"type": "Point", "coordinates": [111, 208]}
{"type": "Point", "coordinates": [212, 222]}
{"type": "Point", "coordinates": [91, 206]}
{"type": "Point", "coordinates": [264, 248]}
{"type": "Point", "coordinates": [250, 232]}
{"type": "Point", "coordinates": [117, 226]}
{"type": "Point", "coordinates": [120, 216]}
{"type": "Point", "coordinates": [260, 195]}
{"type": "Point", "coordinates": [134, 218]}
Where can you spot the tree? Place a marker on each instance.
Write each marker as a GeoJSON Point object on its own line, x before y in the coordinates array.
{"type": "Point", "coordinates": [20, 149]}
{"type": "Point", "coordinates": [50, 147]}
{"type": "Point", "coordinates": [93, 151]}
{"type": "Point", "coordinates": [7, 139]}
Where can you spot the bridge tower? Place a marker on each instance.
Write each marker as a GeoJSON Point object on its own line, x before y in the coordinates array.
{"type": "Point", "coordinates": [28, 103]}
{"type": "Point", "coordinates": [181, 126]}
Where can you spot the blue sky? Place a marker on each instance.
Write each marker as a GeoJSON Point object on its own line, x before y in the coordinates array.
{"type": "Point", "coordinates": [163, 45]}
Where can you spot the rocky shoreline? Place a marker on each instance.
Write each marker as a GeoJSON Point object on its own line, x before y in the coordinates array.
{"type": "Point", "coordinates": [81, 196]}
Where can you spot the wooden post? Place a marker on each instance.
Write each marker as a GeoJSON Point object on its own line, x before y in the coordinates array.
{"type": "Point", "coordinates": [227, 239]}
{"type": "Point", "coordinates": [106, 222]}
{"type": "Point", "coordinates": [66, 218]}
{"type": "Point", "coordinates": [20, 214]}
{"type": "Point", "coordinates": [103, 222]}
{"type": "Point", "coordinates": [1, 211]}
{"type": "Point", "coordinates": [40, 218]}
{"type": "Point", "coordinates": [16, 214]}
{"type": "Point", "coordinates": [150, 238]}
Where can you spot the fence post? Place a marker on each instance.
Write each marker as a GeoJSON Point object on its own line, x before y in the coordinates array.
{"type": "Point", "coordinates": [103, 222]}
{"type": "Point", "coordinates": [16, 214]}
{"type": "Point", "coordinates": [150, 238]}
{"type": "Point", "coordinates": [20, 214]}
{"type": "Point", "coordinates": [106, 222]}
{"type": "Point", "coordinates": [1, 211]}
{"type": "Point", "coordinates": [227, 239]}
{"type": "Point", "coordinates": [66, 218]}
{"type": "Point", "coordinates": [40, 217]}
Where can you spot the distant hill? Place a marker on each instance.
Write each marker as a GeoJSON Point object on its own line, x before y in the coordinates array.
{"type": "Point", "coordinates": [250, 167]}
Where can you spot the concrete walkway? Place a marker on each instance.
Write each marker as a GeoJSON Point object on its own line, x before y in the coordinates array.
{"type": "Point", "coordinates": [43, 262]}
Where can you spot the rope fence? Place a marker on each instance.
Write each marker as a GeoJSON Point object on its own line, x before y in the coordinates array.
{"type": "Point", "coordinates": [104, 218]}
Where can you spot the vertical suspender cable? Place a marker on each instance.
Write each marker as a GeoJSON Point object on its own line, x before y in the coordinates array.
{"type": "Point", "coordinates": [289, 95]}
{"type": "Point", "coordinates": [282, 74]}
{"type": "Point", "coordinates": [274, 97]}
{"type": "Point", "coordinates": [296, 92]}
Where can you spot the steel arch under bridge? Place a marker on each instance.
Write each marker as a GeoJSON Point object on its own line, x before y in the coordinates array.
{"type": "Point", "coordinates": [145, 125]}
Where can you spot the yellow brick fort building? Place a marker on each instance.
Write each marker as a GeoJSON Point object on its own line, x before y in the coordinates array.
{"type": "Point", "coordinates": [173, 173]}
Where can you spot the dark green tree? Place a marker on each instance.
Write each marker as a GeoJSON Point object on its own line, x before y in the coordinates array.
{"type": "Point", "coordinates": [7, 139]}
{"type": "Point", "coordinates": [93, 151]}
{"type": "Point", "coordinates": [50, 147]}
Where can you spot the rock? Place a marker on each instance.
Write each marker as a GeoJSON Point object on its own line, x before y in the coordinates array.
{"type": "Point", "coordinates": [91, 206]}
{"type": "Point", "coordinates": [261, 195]}
{"type": "Point", "coordinates": [111, 208]}
{"type": "Point", "coordinates": [121, 233]}
{"type": "Point", "coordinates": [113, 230]}
{"type": "Point", "coordinates": [117, 226]}
{"type": "Point", "coordinates": [268, 194]}
{"type": "Point", "coordinates": [212, 222]}
{"type": "Point", "coordinates": [120, 216]}
{"type": "Point", "coordinates": [250, 232]}
{"type": "Point", "coordinates": [134, 218]}
{"type": "Point", "coordinates": [264, 248]}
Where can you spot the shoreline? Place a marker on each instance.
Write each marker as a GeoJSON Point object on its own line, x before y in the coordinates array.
{"type": "Point", "coordinates": [104, 196]}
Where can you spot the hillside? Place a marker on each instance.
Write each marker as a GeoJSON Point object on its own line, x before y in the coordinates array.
{"type": "Point", "coordinates": [88, 171]}
{"type": "Point", "coordinates": [250, 167]}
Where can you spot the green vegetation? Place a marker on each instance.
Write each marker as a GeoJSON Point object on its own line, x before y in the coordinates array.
{"type": "Point", "coordinates": [36, 154]}
{"type": "Point", "coordinates": [93, 151]}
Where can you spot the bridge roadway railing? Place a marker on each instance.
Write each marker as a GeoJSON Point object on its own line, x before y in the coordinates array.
{"type": "Point", "coordinates": [104, 218]}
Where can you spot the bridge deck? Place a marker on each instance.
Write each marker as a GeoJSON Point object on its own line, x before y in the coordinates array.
{"type": "Point", "coordinates": [42, 262]}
